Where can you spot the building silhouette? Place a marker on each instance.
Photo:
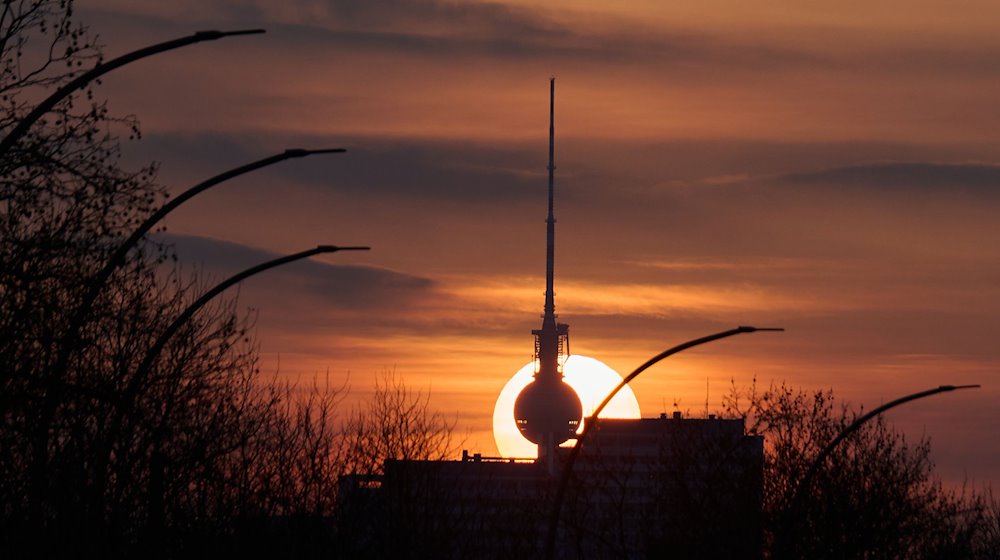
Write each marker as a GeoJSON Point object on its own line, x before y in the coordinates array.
{"type": "Point", "coordinates": [650, 487]}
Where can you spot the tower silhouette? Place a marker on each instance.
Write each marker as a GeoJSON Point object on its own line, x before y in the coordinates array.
{"type": "Point", "coordinates": [548, 411]}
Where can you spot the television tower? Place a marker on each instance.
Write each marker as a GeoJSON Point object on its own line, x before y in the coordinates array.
{"type": "Point", "coordinates": [548, 411]}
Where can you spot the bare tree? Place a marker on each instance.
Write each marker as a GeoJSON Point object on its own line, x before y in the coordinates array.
{"type": "Point", "coordinates": [393, 502]}
{"type": "Point", "coordinates": [397, 423]}
{"type": "Point", "coordinates": [876, 497]}
{"type": "Point", "coordinates": [91, 458]}
{"type": "Point", "coordinates": [64, 202]}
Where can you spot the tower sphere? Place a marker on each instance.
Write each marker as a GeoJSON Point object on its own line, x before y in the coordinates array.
{"type": "Point", "coordinates": [548, 406]}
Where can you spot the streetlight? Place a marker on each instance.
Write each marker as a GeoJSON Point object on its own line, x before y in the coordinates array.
{"type": "Point", "coordinates": [134, 385]}
{"type": "Point", "coordinates": [157, 347]}
{"type": "Point", "coordinates": [784, 542]}
{"type": "Point", "coordinates": [589, 424]}
{"type": "Point", "coordinates": [117, 258]}
{"type": "Point", "coordinates": [101, 69]}
{"type": "Point", "coordinates": [156, 475]}
{"type": "Point", "coordinates": [98, 281]}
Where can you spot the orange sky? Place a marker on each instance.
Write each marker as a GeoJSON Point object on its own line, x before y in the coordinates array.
{"type": "Point", "coordinates": [827, 168]}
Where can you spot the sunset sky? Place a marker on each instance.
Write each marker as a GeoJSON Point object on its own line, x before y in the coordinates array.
{"type": "Point", "coordinates": [829, 167]}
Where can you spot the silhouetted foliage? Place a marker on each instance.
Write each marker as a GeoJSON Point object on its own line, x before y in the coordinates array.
{"type": "Point", "coordinates": [395, 426]}
{"type": "Point", "coordinates": [397, 423]}
{"type": "Point", "coordinates": [875, 497]}
{"type": "Point", "coordinates": [197, 455]}
{"type": "Point", "coordinates": [64, 202]}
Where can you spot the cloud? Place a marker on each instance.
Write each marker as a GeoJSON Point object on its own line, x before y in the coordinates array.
{"type": "Point", "coordinates": [658, 300]}
{"type": "Point", "coordinates": [978, 178]}
{"type": "Point", "coordinates": [512, 172]}
{"type": "Point", "coordinates": [422, 169]}
{"type": "Point", "coordinates": [351, 287]}
{"type": "Point", "coordinates": [473, 30]}
{"type": "Point", "coordinates": [418, 26]}
{"type": "Point", "coordinates": [428, 169]}
{"type": "Point", "coordinates": [636, 51]}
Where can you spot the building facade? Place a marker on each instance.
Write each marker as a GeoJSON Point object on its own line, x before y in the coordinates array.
{"type": "Point", "coordinates": [653, 487]}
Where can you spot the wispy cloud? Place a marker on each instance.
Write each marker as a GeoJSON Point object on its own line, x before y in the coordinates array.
{"type": "Point", "coordinates": [982, 178]}
{"type": "Point", "coordinates": [342, 286]}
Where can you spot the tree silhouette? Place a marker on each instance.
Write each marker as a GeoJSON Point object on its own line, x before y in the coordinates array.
{"type": "Point", "coordinates": [63, 202]}
{"type": "Point", "coordinates": [201, 450]}
{"type": "Point", "coordinates": [396, 423]}
{"type": "Point", "coordinates": [876, 496]}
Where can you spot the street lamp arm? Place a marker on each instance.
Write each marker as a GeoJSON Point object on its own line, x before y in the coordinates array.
{"type": "Point", "coordinates": [96, 72]}
{"type": "Point", "coordinates": [862, 420]}
{"type": "Point", "coordinates": [189, 312]}
{"type": "Point", "coordinates": [592, 420]}
{"type": "Point", "coordinates": [126, 399]}
{"type": "Point", "coordinates": [97, 283]}
{"type": "Point", "coordinates": [332, 248]}
{"type": "Point", "coordinates": [669, 352]}
{"type": "Point", "coordinates": [169, 207]}
{"type": "Point", "coordinates": [299, 152]}
{"type": "Point", "coordinates": [806, 482]}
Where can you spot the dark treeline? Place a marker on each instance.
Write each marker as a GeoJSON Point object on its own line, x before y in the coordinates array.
{"type": "Point", "coordinates": [200, 453]}
{"type": "Point", "coordinates": [202, 456]}
{"type": "Point", "coordinates": [876, 496]}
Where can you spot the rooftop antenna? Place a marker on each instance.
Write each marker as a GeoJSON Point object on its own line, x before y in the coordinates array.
{"type": "Point", "coordinates": [706, 396]}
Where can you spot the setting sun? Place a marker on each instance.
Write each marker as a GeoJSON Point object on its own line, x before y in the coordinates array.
{"type": "Point", "coordinates": [591, 379]}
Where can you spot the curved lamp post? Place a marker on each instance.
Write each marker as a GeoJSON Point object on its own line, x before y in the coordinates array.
{"type": "Point", "coordinates": [156, 474]}
{"type": "Point", "coordinates": [589, 424]}
{"type": "Point", "coordinates": [98, 281]}
{"type": "Point", "coordinates": [786, 542]}
{"type": "Point", "coordinates": [117, 258]}
{"type": "Point", "coordinates": [128, 395]}
{"type": "Point", "coordinates": [101, 69]}
{"type": "Point", "coordinates": [161, 342]}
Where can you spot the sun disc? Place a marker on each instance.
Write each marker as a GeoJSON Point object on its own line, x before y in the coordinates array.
{"type": "Point", "coordinates": [591, 379]}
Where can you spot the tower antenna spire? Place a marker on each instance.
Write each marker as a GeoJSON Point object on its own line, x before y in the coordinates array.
{"type": "Point", "coordinates": [550, 296]}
